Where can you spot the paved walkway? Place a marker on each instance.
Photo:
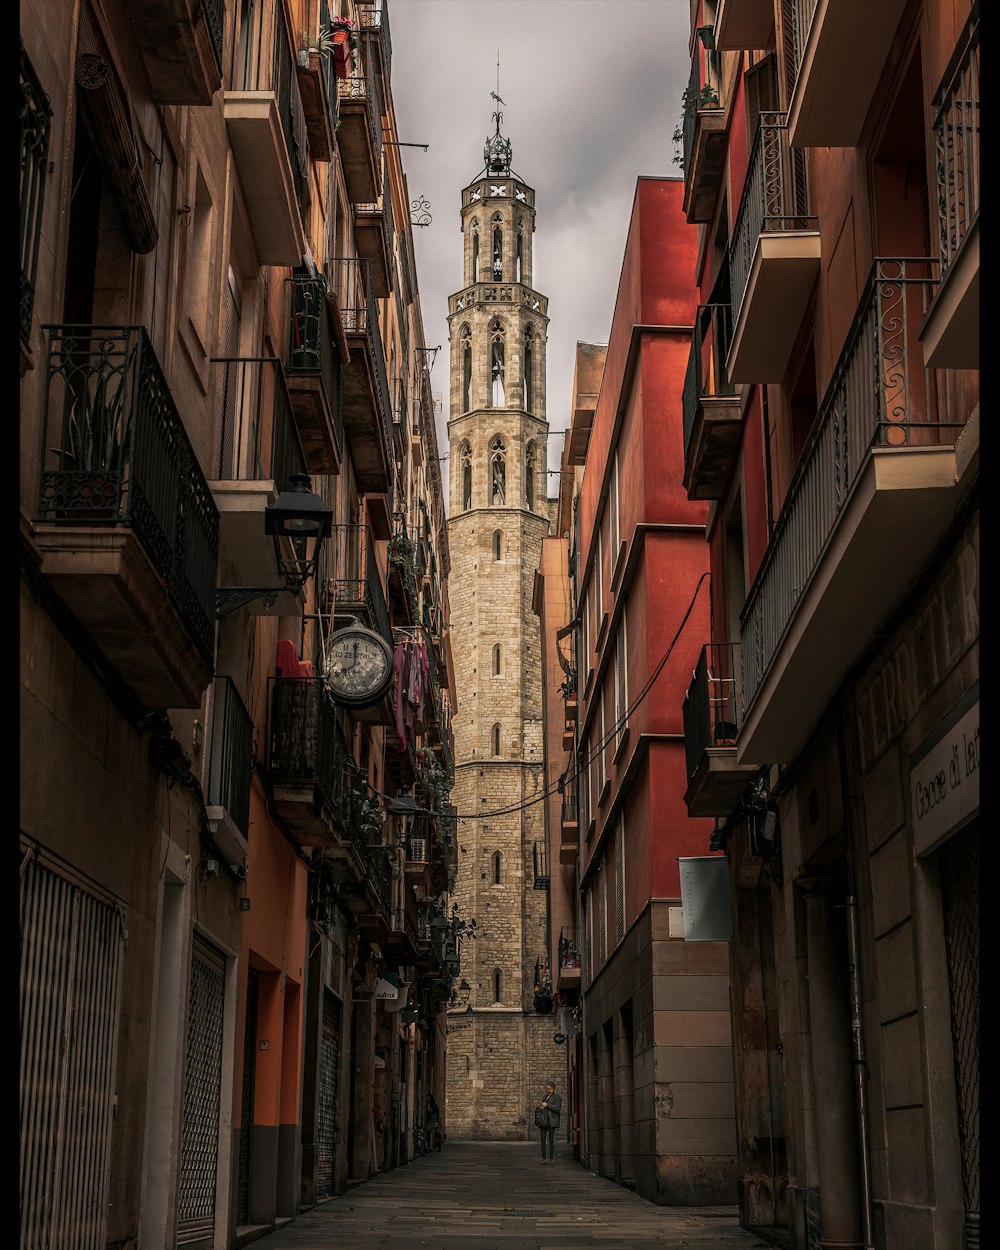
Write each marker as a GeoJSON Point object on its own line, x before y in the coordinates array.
{"type": "Point", "coordinates": [498, 1196]}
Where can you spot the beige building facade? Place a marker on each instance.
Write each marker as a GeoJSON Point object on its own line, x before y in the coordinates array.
{"type": "Point", "coordinates": [501, 1047]}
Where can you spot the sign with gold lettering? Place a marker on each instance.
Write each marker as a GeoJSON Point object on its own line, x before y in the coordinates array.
{"type": "Point", "coordinates": [944, 776]}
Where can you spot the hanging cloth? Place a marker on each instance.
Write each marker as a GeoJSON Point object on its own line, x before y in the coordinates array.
{"type": "Point", "coordinates": [400, 664]}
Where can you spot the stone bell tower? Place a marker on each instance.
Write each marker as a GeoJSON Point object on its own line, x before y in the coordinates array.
{"type": "Point", "coordinates": [502, 1051]}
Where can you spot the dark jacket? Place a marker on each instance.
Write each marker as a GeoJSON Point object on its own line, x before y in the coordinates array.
{"type": "Point", "coordinates": [553, 1105]}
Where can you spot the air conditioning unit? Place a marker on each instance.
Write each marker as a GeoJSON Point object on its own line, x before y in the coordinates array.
{"type": "Point", "coordinates": [418, 850]}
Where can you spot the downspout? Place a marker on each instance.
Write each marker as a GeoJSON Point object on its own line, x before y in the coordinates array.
{"type": "Point", "coordinates": [857, 1017]}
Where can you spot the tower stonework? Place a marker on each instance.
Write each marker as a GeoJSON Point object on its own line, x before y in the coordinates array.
{"type": "Point", "coordinates": [501, 1053]}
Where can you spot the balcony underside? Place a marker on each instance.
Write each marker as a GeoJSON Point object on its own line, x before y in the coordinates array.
{"type": "Point", "coordinates": [899, 511]}
{"type": "Point", "coordinates": [841, 67]}
{"type": "Point", "coordinates": [316, 107]}
{"type": "Point", "coordinates": [314, 422]}
{"type": "Point", "coordinates": [569, 845]}
{"type": "Point", "coordinates": [300, 808]}
{"type": "Point", "coordinates": [265, 176]}
{"type": "Point", "coordinates": [357, 153]}
{"type": "Point", "coordinates": [950, 333]}
{"type": "Point", "coordinates": [718, 783]}
{"type": "Point", "coordinates": [247, 553]}
{"type": "Point", "coordinates": [567, 979]}
{"type": "Point", "coordinates": [106, 580]}
{"type": "Point", "coordinates": [714, 442]}
{"type": "Point", "coordinates": [784, 270]}
{"type": "Point", "coordinates": [371, 234]}
{"type": "Point", "coordinates": [362, 420]}
{"type": "Point", "coordinates": [741, 24]}
{"type": "Point", "coordinates": [708, 158]}
{"type": "Point", "coordinates": [176, 50]}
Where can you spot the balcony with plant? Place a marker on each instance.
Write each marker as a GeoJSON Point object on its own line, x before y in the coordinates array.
{"type": "Point", "coordinates": [314, 372]}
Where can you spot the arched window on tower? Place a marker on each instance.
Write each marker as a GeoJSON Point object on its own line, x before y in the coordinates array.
{"type": "Point", "coordinates": [497, 986]}
{"type": "Point", "coordinates": [497, 247]}
{"type": "Point", "coordinates": [497, 874]}
{"type": "Point", "coordinates": [498, 391]}
{"type": "Point", "coordinates": [465, 457]}
{"type": "Point", "coordinates": [475, 250]}
{"type": "Point", "coordinates": [530, 459]}
{"type": "Point", "coordinates": [495, 739]}
{"type": "Point", "coordinates": [497, 543]}
{"type": "Point", "coordinates": [498, 471]}
{"type": "Point", "coordinates": [520, 253]}
{"type": "Point", "coordinates": [466, 369]}
{"type": "Point", "coordinates": [529, 368]}
{"type": "Point", "coordinates": [497, 660]}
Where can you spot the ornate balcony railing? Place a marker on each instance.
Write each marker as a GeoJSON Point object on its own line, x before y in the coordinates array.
{"type": "Point", "coordinates": [376, 21]}
{"type": "Point", "coordinates": [956, 142]}
{"type": "Point", "coordinates": [251, 447]}
{"type": "Point", "coordinates": [310, 348]}
{"type": "Point", "coordinates": [714, 701]}
{"type": "Point", "coordinates": [301, 740]}
{"type": "Point", "coordinates": [362, 87]}
{"type": "Point", "coordinates": [215, 22]}
{"type": "Point", "coordinates": [115, 452]}
{"type": "Point", "coordinates": [231, 760]}
{"type": "Point", "coordinates": [353, 578]}
{"type": "Point", "coordinates": [36, 120]}
{"type": "Point", "coordinates": [880, 395]}
{"type": "Point", "coordinates": [706, 372]}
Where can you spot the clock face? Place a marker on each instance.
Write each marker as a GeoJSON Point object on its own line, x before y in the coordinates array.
{"type": "Point", "coordinates": [358, 666]}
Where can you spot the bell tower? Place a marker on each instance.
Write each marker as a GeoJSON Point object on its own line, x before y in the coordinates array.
{"type": "Point", "coordinates": [501, 1051]}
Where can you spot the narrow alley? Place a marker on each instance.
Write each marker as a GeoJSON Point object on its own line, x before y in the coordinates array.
{"type": "Point", "coordinates": [498, 1196]}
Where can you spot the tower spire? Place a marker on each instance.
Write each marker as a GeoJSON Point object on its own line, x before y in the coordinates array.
{"type": "Point", "coordinates": [497, 152]}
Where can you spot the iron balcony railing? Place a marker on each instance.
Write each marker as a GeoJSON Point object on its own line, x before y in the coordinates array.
{"type": "Point", "coordinates": [36, 120]}
{"type": "Point", "coordinates": [350, 278]}
{"type": "Point", "coordinates": [956, 142]}
{"type": "Point", "coordinates": [713, 702]}
{"type": "Point", "coordinates": [215, 21]}
{"type": "Point", "coordinates": [362, 87]}
{"type": "Point", "coordinates": [230, 764]}
{"type": "Point", "coordinates": [326, 69]}
{"type": "Point", "coordinates": [775, 199]}
{"type": "Point", "coordinates": [399, 400]}
{"type": "Point", "coordinates": [540, 862]}
{"type": "Point", "coordinates": [301, 738]}
{"type": "Point", "coordinates": [569, 809]}
{"type": "Point", "coordinates": [880, 395]}
{"type": "Point", "coordinates": [706, 375]}
{"type": "Point", "coordinates": [797, 19]}
{"type": "Point", "coordinates": [258, 439]}
{"type": "Point", "coordinates": [376, 20]}
{"type": "Point", "coordinates": [383, 207]}
{"type": "Point", "coordinates": [310, 349]}
{"type": "Point", "coordinates": [115, 452]}
{"type": "Point", "coordinates": [702, 93]}
{"type": "Point", "coordinates": [568, 948]}
{"type": "Point", "coordinates": [353, 584]}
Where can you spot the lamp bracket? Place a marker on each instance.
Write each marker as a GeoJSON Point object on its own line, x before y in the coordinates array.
{"type": "Point", "coordinates": [229, 598]}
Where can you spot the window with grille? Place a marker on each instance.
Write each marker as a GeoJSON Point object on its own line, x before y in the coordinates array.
{"type": "Point", "coordinates": [602, 915]}
{"type": "Point", "coordinates": [620, 878]}
{"type": "Point", "coordinates": [601, 748]}
{"type": "Point", "coordinates": [613, 509]}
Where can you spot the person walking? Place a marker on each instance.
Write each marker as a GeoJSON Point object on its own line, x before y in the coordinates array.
{"type": "Point", "coordinates": [547, 1120]}
{"type": "Point", "coordinates": [432, 1124]}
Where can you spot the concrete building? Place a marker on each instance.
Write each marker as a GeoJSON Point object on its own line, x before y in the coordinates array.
{"type": "Point", "coordinates": [501, 1048]}
{"type": "Point", "coordinates": [831, 417]}
{"type": "Point", "coordinates": [234, 953]}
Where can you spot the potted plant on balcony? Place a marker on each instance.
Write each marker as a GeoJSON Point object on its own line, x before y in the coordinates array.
{"type": "Point", "coordinates": [344, 41]}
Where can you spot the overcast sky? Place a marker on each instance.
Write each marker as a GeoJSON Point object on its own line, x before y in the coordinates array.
{"type": "Point", "coordinates": [591, 93]}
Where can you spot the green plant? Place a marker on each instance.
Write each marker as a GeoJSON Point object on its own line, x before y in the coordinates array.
{"type": "Point", "coordinates": [691, 102]}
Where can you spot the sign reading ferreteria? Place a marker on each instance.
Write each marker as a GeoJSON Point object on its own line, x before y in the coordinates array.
{"type": "Point", "coordinates": [944, 776]}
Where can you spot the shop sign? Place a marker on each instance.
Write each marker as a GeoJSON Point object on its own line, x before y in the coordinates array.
{"type": "Point", "coordinates": [705, 898]}
{"type": "Point", "coordinates": [944, 776]}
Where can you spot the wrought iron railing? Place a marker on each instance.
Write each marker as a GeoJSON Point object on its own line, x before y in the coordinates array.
{"type": "Point", "coordinates": [775, 199]}
{"type": "Point", "coordinates": [702, 93]}
{"type": "Point", "coordinates": [540, 863]}
{"type": "Point", "coordinates": [301, 738]}
{"type": "Point", "coordinates": [382, 208]}
{"type": "Point", "coordinates": [350, 278]}
{"type": "Point", "coordinates": [251, 447]}
{"type": "Point", "coordinates": [36, 120]}
{"type": "Point", "coordinates": [353, 584]}
{"type": "Point", "coordinates": [215, 21]}
{"type": "Point", "coordinates": [714, 701]}
{"type": "Point", "coordinates": [880, 395]}
{"type": "Point", "coordinates": [376, 20]}
{"type": "Point", "coordinates": [569, 814]}
{"type": "Point", "coordinates": [230, 765]}
{"type": "Point", "coordinates": [568, 949]}
{"type": "Point", "coordinates": [706, 375]}
{"type": "Point", "coordinates": [362, 87]}
{"type": "Point", "coordinates": [115, 452]}
{"type": "Point", "coordinates": [797, 19]}
{"type": "Point", "coordinates": [310, 348]}
{"type": "Point", "coordinates": [956, 142]}
{"type": "Point", "coordinates": [326, 69]}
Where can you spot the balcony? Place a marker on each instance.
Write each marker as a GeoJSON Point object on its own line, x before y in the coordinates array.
{"type": "Point", "coordinates": [374, 24]}
{"type": "Point", "coordinates": [367, 407]}
{"type": "Point", "coordinates": [126, 526]}
{"type": "Point", "coordinates": [712, 420]}
{"type": "Point", "coordinates": [267, 132]}
{"type": "Point", "coordinates": [258, 451]}
{"type": "Point", "coordinates": [704, 137]}
{"type": "Point", "coordinates": [400, 414]}
{"type": "Point", "coordinates": [353, 586]}
{"type": "Point", "coordinates": [874, 493]}
{"type": "Point", "coordinates": [318, 91]}
{"type": "Point", "coordinates": [359, 139]}
{"type": "Point", "coordinates": [181, 43]}
{"type": "Point", "coordinates": [36, 123]}
{"type": "Point", "coordinates": [712, 708]}
{"type": "Point", "coordinates": [569, 830]}
{"type": "Point", "coordinates": [402, 589]}
{"type": "Point", "coordinates": [230, 768]}
{"type": "Point", "coordinates": [369, 896]}
{"type": "Point", "coordinates": [373, 238]}
{"type": "Point", "coordinates": [950, 333]}
{"type": "Point", "coordinates": [305, 760]}
{"type": "Point", "coordinates": [773, 257]}
{"type": "Point", "coordinates": [315, 374]}
{"type": "Point", "coordinates": [832, 43]}
{"type": "Point", "coordinates": [400, 947]}
{"type": "Point", "coordinates": [567, 961]}
{"type": "Point", "coordinates": [743, 24]}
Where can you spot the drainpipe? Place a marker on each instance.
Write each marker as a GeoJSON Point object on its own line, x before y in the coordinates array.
{"type": "Point", "coordinates": [857, 1018]}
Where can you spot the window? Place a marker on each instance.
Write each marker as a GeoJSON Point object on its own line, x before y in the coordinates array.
{"type": "Point", "coordinates": [602, 914]}
{"type": "Point", "coordinates": [36, 119]}
{"type": "Point", "coordinates": [613, 511]}
{"type": "Point", "coordinates": [585, 639]}
{"type": "Point", "coordinates": [475, 250]}
{"type": "Point", "coordinates": [620, 878]}
{"type": "Point", "coordinates": [599, 582]}
{"type": "Point", "coordinates": [495, 739]}
{"type": "Point", "coordinates": [466, 369]}
{"type": "Point", "coordinates": [497, 986]}
{"type": "Point", "coordinates": [465, 455]}
{"type": "Point", "coordinates": [530, 457]}
{"type": "Point", "coordinates": [601, 749]}
{"type": "Point", "coordinates": [497, 543]}
{"type": "Point", "coordinates": [519, 270]}
{"type": "Point", "coordinates": [498, 471]}
{"type": "Point", "coordinates": [529, 368]}
{"type": "Point", "coordinates": [621, 683]}
{"type": "Point", "coordinates": [497, 248]}
{"type": "Point", "coordinates": [497, 660]}
{"type": "Point", "coordinates": [497, 871]}
{"type": "Point", "coordinates": [498, 390]}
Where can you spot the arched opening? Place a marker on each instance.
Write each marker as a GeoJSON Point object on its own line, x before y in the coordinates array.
{"type": "Point", "coordinates": [497, 542]}
{"type": "Point", "coordinates": [520, 254]}
{"type": "Point", "coordinates": [475, 253]}
{"type": "Point", "coordinates": [530, 458]}
{"type": "Point", "coordinates": [466, 369]}
{"type": "Point", "coordinates": [497, 249]}
{"type": "Point", "coordinates": [497, 874]}
{"type": "Point", "coordinates": [498, 471]}
{"type": "Point", "coordinates": [498, 390]}
{"type": "Point", "coordinates": [497, 986]}
{"type": "Point", "coordinates": [495, 739]}
{"type": "Point", "coordinates": [465, 455]}
{"type": "Point", "coordinates": [497, 660]}
{"type": "Point", "coordinates": [529, 369]}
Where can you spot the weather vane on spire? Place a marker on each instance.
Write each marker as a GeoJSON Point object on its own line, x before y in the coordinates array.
{"type": "Point", "coordinates": [498, 151]}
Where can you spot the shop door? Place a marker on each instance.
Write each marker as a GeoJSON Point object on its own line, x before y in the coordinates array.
{"type": "Point", "coordinates": [246, 1101]}
{"type": "Point", "coordinates": [326, 1127]}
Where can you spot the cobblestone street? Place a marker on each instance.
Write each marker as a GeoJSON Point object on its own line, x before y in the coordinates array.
{"type": "Point", "coordinates": [499, 1196]}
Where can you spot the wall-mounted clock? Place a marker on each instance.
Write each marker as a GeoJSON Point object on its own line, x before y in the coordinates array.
{"type": "Point", "coordinates": [358, 666]}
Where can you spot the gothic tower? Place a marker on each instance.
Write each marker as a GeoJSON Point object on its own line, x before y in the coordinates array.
{"type": "Point", "coordinates": [502, 1051]}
